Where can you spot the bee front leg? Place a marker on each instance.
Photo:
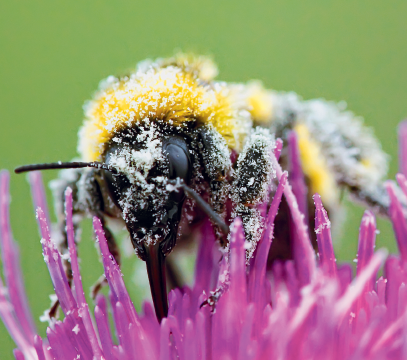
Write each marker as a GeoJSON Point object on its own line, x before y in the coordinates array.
{"type": "Point", "coordinates": [217, 165]}
{"type": "Point", "coordinates": [250, 187]}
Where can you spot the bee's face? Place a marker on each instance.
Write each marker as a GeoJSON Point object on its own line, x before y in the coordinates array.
{"type": "Point", "coordinates": [146, 159]}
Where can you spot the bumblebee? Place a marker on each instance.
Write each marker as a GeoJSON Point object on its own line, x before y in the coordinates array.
{"type": "Point", "coordinates": [168, 131]}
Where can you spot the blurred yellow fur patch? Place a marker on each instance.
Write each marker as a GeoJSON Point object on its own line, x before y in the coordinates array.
{"type": "Point", "coordinates": [200, 66]}
{"type": "Point", "coordinates": [259, 101]}
{"type": "Point", "coordinates": [170, 91]}
{"type": "Point", "coordinates": [315, 167]}
{"type": "Point", "coordinates": [367, 163]}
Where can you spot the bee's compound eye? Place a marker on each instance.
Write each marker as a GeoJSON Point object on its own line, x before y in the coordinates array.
{"type": "Point", "coordinates": [179, 162]}
{"type": "Point", "coordinates": [116, 184]}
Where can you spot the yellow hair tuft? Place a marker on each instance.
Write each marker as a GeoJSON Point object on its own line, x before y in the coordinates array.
{"type": "Point", "coordinates": [260, 104]}
{"type": "Point", "coordinates": [165, 93]}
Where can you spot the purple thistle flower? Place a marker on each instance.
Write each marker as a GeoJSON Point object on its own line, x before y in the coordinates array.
{"type": "Point", "coordinates": [306, 308]}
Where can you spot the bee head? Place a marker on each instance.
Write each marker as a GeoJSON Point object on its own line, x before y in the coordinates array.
{"type": "Point", "coordinates": [146, 159]}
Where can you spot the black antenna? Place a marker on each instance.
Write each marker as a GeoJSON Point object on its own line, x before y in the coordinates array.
{"type": "Point", "coordinates": [65, 165]}
{"type": "Point", "coordinates": [202, 204]}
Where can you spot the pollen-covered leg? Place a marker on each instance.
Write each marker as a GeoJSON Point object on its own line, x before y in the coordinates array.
{"type": "Point", "coordinates": [251, 183]}
{"type": "Point", "coordinates": [217, 164]}
{"type": "Point", "coordinates": [214, 296]}
{"type": "Point", "coordinates": [222, 286]}
{"type": "Point", "coordinates": [376, 198]}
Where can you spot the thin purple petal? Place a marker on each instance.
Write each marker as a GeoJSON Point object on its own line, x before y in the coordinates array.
{"type": "Point", "coordinates": [82, 304]}
{"type": "Point", "coordinates": [356, 288]}
{"type": "Point", "coordinates": [113, 274]}
{"type": "Point", "coordinates": [278, 148]}
{"type": "Point", "coordinates": [9, 319]}
{"type": "Point", "coordinates": [398, 220]}
{"type": "Point", "coordinates": [297, 179]}
{"type": "Point", "coordinates": [258, 270]}
{"type": "Point", "coordinates": [165, 340]}
{"type": "Point", "coordinates": [323, 231]}
{"type": "Point", "coordinates": [304, 253]}
{"type": "Point", "coordinates": [367, 239]}
{"type": "Point", "coordinates": [39, 347]}
{"type": "Point", "coordinates": [38, 193]}
{"type": "Point", "coordinates": [11, 263]}
{"type": "Point", "coordinates": [18, 354]}
{"type": "Point", "coordinates": [53, 260]}
{"type": "Point", "coordinates": [104, 331]}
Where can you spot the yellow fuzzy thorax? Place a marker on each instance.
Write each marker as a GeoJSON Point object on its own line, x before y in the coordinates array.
{"type": "Point", "coordinates": [169, 93]}
{"type": "Point", "coordinates": [315, 166]}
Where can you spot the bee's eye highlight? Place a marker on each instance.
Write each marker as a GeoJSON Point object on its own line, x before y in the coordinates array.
{"type": "Point", "coordinates": [179, 162]}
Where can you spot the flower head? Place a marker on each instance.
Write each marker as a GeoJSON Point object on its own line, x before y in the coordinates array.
{"type": "Point", "coordinates": [305, 308]}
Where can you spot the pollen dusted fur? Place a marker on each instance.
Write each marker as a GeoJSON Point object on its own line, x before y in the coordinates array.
{"type": "Point", "coordinates": [168, 131]}
{"type": "Point", "coordinates": [182, 89]}
{"type": "Point", "coordinates": [167, 91]}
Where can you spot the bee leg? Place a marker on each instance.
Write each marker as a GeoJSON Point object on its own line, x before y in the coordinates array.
{"type": "Point", "coordinates": [114, 251]}
{"type": "Point", "coordinates": [214, 296]}
{"type": "Point", "coordinates": [218, 203]}
{"type": "Point", "coordinates": [217, 165]}
{"type": "Point", "coordinates": [377, 198]}
{"type": "Point", "coordinates": [250, 187]}
{"type": "Point", "coordinates": [221, 287]}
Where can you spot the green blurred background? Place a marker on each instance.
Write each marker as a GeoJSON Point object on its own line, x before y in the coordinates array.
{"type": "Point", "coordinates": [54, 53]}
